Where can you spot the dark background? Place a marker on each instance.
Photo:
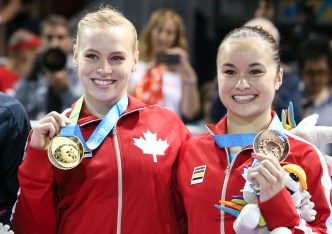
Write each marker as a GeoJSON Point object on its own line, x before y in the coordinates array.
{"type": "Point", "coordinates": [207, 21]}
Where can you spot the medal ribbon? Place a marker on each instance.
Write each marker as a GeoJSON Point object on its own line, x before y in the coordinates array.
{"type": "Point", "coordinates": [103, 128]}
{"type": "Point", "coordinates": [244, 139]}
{"type": "Point", "coordinates": [233, 140]}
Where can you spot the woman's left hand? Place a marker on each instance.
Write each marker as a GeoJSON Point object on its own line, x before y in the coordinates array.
{"type": "Point", "coordinates": [268, 175]}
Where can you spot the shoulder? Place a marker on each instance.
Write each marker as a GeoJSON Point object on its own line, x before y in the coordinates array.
{"type": "Point", "coordinates": [299, 144]}
{"type": "Point", "coordinates": [306, 155]}
{"type": "Point", "coordinates": [12, 110]}
{"type": "Point", "coordinates": [164, 113]}
{"type": "Point", "coordinates": [202, 140]}
{"type": "Point", "coordinates": [10, 104]}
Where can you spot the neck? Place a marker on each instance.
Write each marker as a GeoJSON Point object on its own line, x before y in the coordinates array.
{"type": "Point", "coordinates": [98, 109]}
{"type": "Point", "coordinates": [253, 124]}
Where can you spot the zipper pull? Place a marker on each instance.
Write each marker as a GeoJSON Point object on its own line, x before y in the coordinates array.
{"type": "Point", "coordinates": [228, 169]}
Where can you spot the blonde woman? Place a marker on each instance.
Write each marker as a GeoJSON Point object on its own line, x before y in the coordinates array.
{"type": "Point", "coordinates": [124, 182]}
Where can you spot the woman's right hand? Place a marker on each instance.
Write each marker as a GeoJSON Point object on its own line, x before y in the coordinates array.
{"type": "Point", "coordinates": [47, 128]}
{"type": "Point", "coordinates": [268, 175]}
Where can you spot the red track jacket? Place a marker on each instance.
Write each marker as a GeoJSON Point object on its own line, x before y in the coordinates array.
{"type": "Point", "coordinates": [222, 180]}
{"type": "Point", "coordinates": [120, 189]}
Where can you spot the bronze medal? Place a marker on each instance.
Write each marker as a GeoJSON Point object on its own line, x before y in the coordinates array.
{"type": "Point", "coordinates": [65, 152]}
{"type": "Point", "coordinates": [270, 143]}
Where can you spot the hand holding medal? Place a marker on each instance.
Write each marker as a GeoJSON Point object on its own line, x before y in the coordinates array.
{"type": "Point", "coordinates": [46, 129]}
{"type": "Point", "coordinates": [63, 152]}
{"type": "Point", "coordinates": [66, 150]}
{"type": "Point", "coordinates": [272, 142]}
{"type": "Point", "coordinates": [270, 148]}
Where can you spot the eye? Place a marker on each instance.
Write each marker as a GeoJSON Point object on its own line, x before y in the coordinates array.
{"type": "Point", "coordinates": [294, 177]}
{"type": "Point", "coordinates": [158, 29]}
{"type": "Point", "coordinates": [229, 72]}
{"type": "Point", "coordinates": [92, 56]}
{"type": "Point", "coordinates": [117, 58]}
{"type": "Point", "coordinates": [255, 72]}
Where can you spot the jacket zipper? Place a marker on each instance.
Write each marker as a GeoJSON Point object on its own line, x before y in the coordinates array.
{"type": "Point", "coordinates": [224, 188]}
{"type": "Point", "coordinates": [225, 184]}
{"type": "Point", "coordinates": [119, 165]}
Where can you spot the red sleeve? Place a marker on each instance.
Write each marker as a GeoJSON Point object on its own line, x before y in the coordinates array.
{"type": "Point", "coordinates": [278, 211]}
{"type": "Point", "coordinates": [179, 208]}
{"type": "Point", "coordinates": [35, 209]}
{"type": "Point", "coordinates": [181, 216]}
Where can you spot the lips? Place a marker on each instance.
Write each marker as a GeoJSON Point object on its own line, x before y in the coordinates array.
{"type": "Point", "coordinates": [103, 82]}
{"type": "Point", "coordinates": [242, 98]}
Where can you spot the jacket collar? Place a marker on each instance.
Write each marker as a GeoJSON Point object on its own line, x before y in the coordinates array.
{"type": "Point", "coordinates": [221, 126]}
{"type": "Point", "coordinates": [86, 116]}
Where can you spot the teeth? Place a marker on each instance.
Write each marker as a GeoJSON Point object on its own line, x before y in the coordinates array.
{"type": "Point", "coordinates": [244, 98]}
{"type": "Point", "coordinates": [103, 82]}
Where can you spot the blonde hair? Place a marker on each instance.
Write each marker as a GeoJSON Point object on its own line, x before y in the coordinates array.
{"type": "Point", "coordinates": [145, 47]}
{"type": "Point", "coordinates": [105, 16]}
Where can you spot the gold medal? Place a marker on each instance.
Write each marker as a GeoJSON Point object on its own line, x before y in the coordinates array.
{"type": "Point", "coordinates": [270, 143]}
{"type": "Point", "coordinates": [65, 152]}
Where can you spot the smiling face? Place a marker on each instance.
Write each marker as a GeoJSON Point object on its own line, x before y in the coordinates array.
{"type": "Point", "coordinates": [163, 35]}
{"type": "Point", "coordinates": [247, 77]}
{"type": "Point", "coordinates": [105, 57]}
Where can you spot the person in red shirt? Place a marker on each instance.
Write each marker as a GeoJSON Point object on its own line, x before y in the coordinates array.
{"type": "Point", "coordinates": [124, 181]}
{"type": "Point", "coordinates": [211, 165]}
{"type": "Point", "coordinates": [23, 46]}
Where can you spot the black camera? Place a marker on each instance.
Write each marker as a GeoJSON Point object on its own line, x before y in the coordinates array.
{"type": "Point", "coordinates": [168, 58]}
{"type": "Point", "coordinates": [52, 59]}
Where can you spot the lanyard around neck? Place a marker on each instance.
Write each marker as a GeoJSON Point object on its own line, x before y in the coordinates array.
{"type": "Point", "coordinates": [103, 128]}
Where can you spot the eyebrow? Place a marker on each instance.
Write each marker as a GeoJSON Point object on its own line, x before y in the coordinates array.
{"type": "Point", "coordinates": [250, 65]}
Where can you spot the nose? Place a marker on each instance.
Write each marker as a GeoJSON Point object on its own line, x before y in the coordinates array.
{"type": "Point", "coordinates": [55, 41]}
{"type": "Point", "coordinates": [242, 84]}
{"type": "Point", "coordinates": [104, 69]}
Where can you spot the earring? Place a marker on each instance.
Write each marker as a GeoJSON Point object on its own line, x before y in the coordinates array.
{"type": "Point", "coordinates": [277, 86]}
{"type": "Point", "coordinates": [133, 70]}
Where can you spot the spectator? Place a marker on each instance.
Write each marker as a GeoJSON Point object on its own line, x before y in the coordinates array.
{"type": "Point", "coordinates": [23, 45]}
{"type": "Point", "coordinates": [164, 74]}
{"type": "Point", "coordinates": [46, 89]}
{"type": "Point", "coordinates": [15, 127]}
{"type": "Point", "coordinates": [315, 64]}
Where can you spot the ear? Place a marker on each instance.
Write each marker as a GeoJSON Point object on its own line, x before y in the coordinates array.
{"type": "Point", "coordinates": [75, 56]}
{"type": "Point", "coordinates": [279, 79]}
{"type": "Point", "coordinates": [136, 56]}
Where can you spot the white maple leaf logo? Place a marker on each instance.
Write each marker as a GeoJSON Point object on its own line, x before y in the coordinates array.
{"type": "Point", "coordinates": [150, 145]}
